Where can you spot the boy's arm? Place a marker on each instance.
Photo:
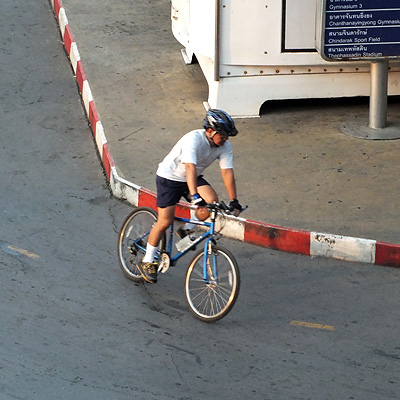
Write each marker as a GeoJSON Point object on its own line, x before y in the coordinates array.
{"type": "Point", "coordinates": [191, 178]}
{"type": "Point", "coordinates": [228, 177]}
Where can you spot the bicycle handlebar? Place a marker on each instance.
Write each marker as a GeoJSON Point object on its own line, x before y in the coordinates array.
{"type": "Point", "coordinates": [222, 206]}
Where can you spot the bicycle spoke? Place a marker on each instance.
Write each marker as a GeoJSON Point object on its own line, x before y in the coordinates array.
{"type": "Point", "coordinates": [132, 241]}
{"type": "Point", "coordinates": [219, 292]}
{"type": "Point", "coordinates": [211, 299]}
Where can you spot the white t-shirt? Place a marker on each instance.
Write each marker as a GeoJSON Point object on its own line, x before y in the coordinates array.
{"type": "Point", "coordinates": [194, 148]}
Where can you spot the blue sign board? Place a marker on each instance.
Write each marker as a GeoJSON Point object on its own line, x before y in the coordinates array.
{"type": "Point", "coordinates": [360, 29]}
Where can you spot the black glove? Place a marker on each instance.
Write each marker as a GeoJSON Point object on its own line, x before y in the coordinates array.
{"type": "Point", "coordinates": [234, 205]}
{"type": "Point", "coordinates": [197, 200]}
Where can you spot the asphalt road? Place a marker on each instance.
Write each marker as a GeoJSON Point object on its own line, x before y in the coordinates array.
{"type": "Point", "coordinates": [72, 327]}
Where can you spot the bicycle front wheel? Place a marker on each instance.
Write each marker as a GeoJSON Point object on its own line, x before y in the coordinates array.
{"type": "Point", "coordinates": [132, 241]}
{"type": "Point", "coordinates": [212, 284]}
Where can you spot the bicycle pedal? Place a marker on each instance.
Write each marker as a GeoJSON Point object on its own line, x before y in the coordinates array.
{"type": "Point", "coordinates": [132, 251]}
{"type": "Point", "coordinates": [164, 264]}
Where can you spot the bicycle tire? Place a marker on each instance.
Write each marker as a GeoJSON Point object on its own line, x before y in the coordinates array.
{"type": "Point", "coordinates": [212, 300]}
{"type": "Point", "coordinates": [136, 226]}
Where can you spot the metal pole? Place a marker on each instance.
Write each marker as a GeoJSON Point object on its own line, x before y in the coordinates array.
{"type": "Point", "coordinates": [217, 40]}
{"type": "Point", "coordinates": [379, 93]}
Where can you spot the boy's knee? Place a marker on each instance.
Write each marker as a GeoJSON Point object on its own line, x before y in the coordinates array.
{"type": "Point", "coordinates": [208, 194]}
{"type": "Point", "coordinates": [162, 225]}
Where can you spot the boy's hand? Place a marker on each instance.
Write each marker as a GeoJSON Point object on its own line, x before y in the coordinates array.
{"type": "Point", "coordinates": [197, 200]}
{"type": "Point", "coordinates": [236, 207]}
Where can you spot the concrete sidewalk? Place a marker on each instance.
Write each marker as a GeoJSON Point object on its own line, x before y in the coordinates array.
{"type": "Point", "coordinates": [293, 165]}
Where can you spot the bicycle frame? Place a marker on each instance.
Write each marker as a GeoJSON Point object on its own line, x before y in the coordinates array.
{"type": "Point", "coordinates": [206, 236]}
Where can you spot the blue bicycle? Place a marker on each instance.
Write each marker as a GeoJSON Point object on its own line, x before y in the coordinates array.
{"type": "Point", "coordinates": [212, 279]}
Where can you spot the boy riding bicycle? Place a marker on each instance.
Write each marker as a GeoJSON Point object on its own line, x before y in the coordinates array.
{"type": "Point", "coordinates": [180, 175]}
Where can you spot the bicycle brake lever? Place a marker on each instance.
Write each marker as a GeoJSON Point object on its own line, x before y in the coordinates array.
{"type": "Point", "coordinates": [240, 211]}
{"type": "Point", "coordinates": [224, 206]}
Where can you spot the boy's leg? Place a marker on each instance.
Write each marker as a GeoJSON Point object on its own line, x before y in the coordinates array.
{"type": "Point", "coordinates": [164, 220]}
{"type": "Point", "coordinates": [207, 193]}
{"type": "Point", "coordinates": [201, 213]}
{"type": "Point", "coordinates": [147, 267]}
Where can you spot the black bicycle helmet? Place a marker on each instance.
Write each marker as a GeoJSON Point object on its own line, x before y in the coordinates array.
{"type": "Point", "coordinates": [220, 121]}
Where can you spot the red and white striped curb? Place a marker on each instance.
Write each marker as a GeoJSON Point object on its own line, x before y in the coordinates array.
{"type": "Point", "coordinates": [261, 234]}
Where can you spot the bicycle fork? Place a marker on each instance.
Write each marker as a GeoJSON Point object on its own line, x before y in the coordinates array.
{"type": "Point", "coordinates": [209, 263]}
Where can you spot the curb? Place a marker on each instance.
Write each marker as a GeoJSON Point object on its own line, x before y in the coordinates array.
{"type": "Point", "coordinates": [261, 234]}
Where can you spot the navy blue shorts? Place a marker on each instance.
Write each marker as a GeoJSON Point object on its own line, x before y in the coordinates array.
{"type": "Point", "coordinates": [170, 192]}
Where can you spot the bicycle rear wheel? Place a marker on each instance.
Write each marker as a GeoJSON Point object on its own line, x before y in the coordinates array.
{"type": "Point", "coordinates": [211, 297]}
{"type": "Point", "coordinates": [132, 241]}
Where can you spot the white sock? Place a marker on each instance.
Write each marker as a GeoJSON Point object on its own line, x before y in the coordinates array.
{"type": "Point", "coordinates": [150, 253]}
